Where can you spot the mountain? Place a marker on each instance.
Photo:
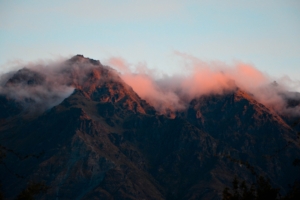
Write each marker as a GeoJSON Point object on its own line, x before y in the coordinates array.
{"type": "Point", "coordinates": [102, 141]}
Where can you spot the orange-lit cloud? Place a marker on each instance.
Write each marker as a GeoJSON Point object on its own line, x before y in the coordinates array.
{"type": "Point", "coordinates": [148, 89]}
{"type": "Point", "coordinates": [119, 63]}
{"type": "Point", "coordinates": [202, 78]}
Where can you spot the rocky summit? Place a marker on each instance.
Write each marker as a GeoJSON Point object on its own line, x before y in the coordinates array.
{"type": "Point", "coordinates": [85, 134]}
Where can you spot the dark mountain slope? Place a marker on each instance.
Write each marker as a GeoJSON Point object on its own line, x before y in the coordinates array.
{"type": "Point", "coordinates": [77, 155]}
{"type": "Point", "coordinates": [8, 107]}
{"type": "Point", "coordinates": [248, 131]}
{"type": "Point", "coordinates": [104, 142]}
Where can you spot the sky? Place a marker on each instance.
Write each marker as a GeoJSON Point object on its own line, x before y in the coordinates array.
{"type": "Point", "coordinates": [155, 34]}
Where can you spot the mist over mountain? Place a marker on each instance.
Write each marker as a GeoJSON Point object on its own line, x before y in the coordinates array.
{"type": "Point", "coordinates": [203, 78]}
{"type": "Point", "coordinates": [100, 133]}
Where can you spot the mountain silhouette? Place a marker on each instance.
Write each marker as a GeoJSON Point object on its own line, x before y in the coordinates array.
{"type": "Point", "coordinates": [97, 139]}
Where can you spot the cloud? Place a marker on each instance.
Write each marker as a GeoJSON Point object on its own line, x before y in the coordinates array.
{"type": "Point", "coordinates": [175, 92]}
{"type": "Point", "coordinates": [119, 63]}
{"type": "Point", "coordinates": [148, 89]}
{"type": "Point", "coordinates": [34, 88]}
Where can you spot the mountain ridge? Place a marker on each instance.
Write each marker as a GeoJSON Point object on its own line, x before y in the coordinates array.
{"type": "Point", "coordinates": [103, 141]}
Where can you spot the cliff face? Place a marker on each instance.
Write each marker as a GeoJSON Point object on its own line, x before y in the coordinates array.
{"type": "Point", "coordinates": [104, 142]}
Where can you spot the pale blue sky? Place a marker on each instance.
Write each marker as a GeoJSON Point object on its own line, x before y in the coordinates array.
{"type": "Point", "coordinates": [263, 33]}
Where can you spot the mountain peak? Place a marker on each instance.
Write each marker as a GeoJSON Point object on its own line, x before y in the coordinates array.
{"type": "Point", "coordinates": [27, 77]}
{"type": "Point", "coordinates": [81, 58]}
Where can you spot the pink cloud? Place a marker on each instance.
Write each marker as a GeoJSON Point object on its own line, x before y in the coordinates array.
{"type": "Point", "coordinates": [119, 63]}
{"type": "Point", "coordinates": [200, 78]}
